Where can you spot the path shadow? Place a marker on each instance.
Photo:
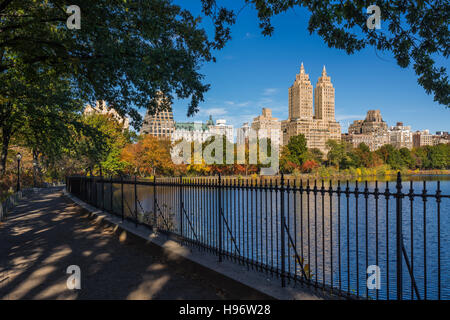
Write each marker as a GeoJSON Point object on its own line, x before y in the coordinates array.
{"type": "Point", "coordinates": [47, 233]}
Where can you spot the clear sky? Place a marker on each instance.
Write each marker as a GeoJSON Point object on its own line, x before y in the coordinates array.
{"type": "Point", "coordinates": [254, 71]}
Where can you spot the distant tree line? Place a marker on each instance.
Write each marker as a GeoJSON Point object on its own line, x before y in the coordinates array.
{"type": "Point", "coordinates": [343, 156]}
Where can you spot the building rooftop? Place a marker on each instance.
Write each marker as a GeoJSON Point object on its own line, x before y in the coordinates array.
{"type": "Point", "coordinates": [191, 126]}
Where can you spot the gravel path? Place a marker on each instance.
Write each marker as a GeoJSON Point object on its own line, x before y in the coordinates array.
{"type": "Point", "coordinates": [47, 233]}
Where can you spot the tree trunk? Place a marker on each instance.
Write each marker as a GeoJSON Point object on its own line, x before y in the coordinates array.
{"type": "Point", "coordinates": [4, 152]}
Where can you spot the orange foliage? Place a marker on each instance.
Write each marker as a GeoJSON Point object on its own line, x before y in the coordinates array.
{"type": "Point", "coordinates": [309, 166]}
{"type": "Point", "coordinates": [149, 156]}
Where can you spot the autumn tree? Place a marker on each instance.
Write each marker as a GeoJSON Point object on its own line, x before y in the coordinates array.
{"type": "Point", "coordinates": [38, 106]}
{"type": "Point", "coordinates": [316, 155]}
{"type": "Point", "coordinates": [365, 157]}
{"type": "Point", "coordinates": [99, 142]}
{"type": "Point", "coordinates": [125, 52]}
{"type": "Point", "coordinates": [295, 151]}
{"type": "Point", "coordinates": [149, 156]}
{"type": "Point", "coordinates": [336, 153]}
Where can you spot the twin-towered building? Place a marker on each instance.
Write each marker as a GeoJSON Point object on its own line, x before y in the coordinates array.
{"type": "Point", "coordinates": [312, 115]}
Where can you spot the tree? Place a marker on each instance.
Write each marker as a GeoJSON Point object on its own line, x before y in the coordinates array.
{"type": "Point", "coordinates": [365, 157]}
{"type": "Point", "coordinates": [395, 160]}
{"type": "Point", "coordinates": [413, 31]}
{"type": "Point", "coordinates": [309, 165]}
{"type": "Point", "coordinates": [37, 104]}
{"type": "Point", "coordinates": [384, 152]}
{"type": "Point", "coordinates": [316, 155]}
{"type": "Point", "coordinates": [421, 158]}
{"type": "Point", "coordinates": [336, 153]}
{"type": "Point", "coordinates": [149, 156]}
{"type": "Point", "coordinates": [439, 156]}
{"type": "Point", "coordinates": [126, 52]}
{"type": "Point", "coordinates": [296, 150]}
{"type": "Point", "coordinates": [407, 158]}
{"type": "Point", "coordinates": [98, 144]}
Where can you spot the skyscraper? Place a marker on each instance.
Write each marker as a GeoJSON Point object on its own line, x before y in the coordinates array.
{"type": "Point", "coordinates": [301, 97]}
{"type": "Point", "coordinates": [322, 126]}
{"type": "Point", "coordinates": [324, 98]}
{"type": "Point", "coordinates": [160, 124]}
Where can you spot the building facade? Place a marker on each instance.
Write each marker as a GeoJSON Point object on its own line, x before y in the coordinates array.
{"type": "Point", "coordinates": [401, 136]}
{"type": "Point", "coordinates": [102, 108]}
{"type": "Point", "coordinates": [372, 131]}
{"type": "Point", "coordinates": [243, 133]}
{"type": "Point", "coordinates": [161, 124]}
{"type": "Point", "coordinates": [422, 138]}
{"type": "Point", "coordinates": [374, 142]}
{"type": "Point", "coordinates": [373, 124]}
{"type": "Point", "coordinates": [319, 126]}
{"type": "Point", "coordinates": [267, 126]}
{"type": "Point", "coordinates": [441, 137]}
{"type": "Point", "coordinates": [190, 131]}
{"type": "Point", "coordinates": [220, 128]}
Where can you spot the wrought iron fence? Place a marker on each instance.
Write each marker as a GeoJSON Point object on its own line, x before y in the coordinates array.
{"type": "Point", "coordinates": [324, 235]}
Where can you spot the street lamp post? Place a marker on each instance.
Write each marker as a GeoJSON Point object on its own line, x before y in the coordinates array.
{"type": "Point", "coordinates": [19, 157]}
{"type": "Point", "coordinates": [35, 164]}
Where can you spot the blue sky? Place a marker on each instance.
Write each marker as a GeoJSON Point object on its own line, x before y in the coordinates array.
{"type": "Point", "coordinates": [254, 71]}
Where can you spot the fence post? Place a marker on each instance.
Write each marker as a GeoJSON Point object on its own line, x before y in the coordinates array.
{"type": "Point", "coordinates": [135, 199]}
{"type": "Point", "coordinates": [399, 197]}
{"type": "Point", "coordinates": [220, 217]}
{"type": "Point", "coordinates": [91, 190]}
{"type": "Point", "coordinates": [181, 205]}
{"type": "Point", "coordinates": [154, 202]}
{"type": "Point", "coordinates": [121, 194]}
{"type": "Point", "coordinates": [283, 253]}
{"type": "Point", "coordinates": [86, 188]}
{"type": "Point", "coordinates": [82, 189]}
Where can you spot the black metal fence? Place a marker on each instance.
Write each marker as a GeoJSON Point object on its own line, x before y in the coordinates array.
{"type": "Point", "coordinates": [330, 236]}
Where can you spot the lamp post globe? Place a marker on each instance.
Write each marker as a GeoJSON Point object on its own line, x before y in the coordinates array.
{"type": "Point", "coordinates": [19, 157]}
{"type": "Point", "coordinates": [35, 164]}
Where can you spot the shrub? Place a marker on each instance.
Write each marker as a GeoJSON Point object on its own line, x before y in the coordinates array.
{"type": "Point", "coordinates": [309, 165]}
{"type": "Point", "coordinates": [296, 173]}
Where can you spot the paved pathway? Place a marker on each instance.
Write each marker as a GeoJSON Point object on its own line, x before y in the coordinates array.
{"type": "Point", "coordinates": [47, 233]}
